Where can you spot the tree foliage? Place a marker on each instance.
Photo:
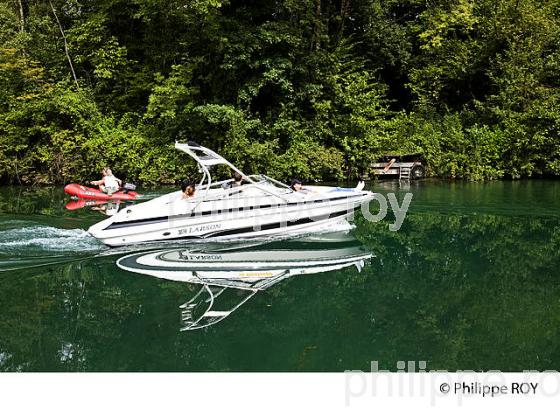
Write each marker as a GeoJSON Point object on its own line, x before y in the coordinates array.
{"type": "Point", "coordinates": [310, 88]}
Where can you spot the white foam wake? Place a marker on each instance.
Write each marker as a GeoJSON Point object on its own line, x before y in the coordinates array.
{"type": "Point", "coordinates": [46, 239]}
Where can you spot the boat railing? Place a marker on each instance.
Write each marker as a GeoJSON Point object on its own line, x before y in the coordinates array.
{"type": "Point", "coordinates": [212, 194]}
{"type": "Point", "coordinates": [274, 181]}
{"type": "Point", "coordinates": [209, 293]}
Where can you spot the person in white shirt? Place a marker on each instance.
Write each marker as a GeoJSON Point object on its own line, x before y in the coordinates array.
{"type": "Point", "coordinates": [109, 183]}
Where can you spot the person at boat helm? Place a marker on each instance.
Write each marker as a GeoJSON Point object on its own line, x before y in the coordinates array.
{"type": "Point", "coordinates": [108, 183]}
{"type": "Point", "coordinates": [237, 181]}
{"type": "Point", "coordinates": [298, 186]}
{"type": "Point", "coordinates": [188, 190]}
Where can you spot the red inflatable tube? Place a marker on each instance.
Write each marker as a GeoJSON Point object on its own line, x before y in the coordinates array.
{"type": "Point", "coordinates": [84, 192]}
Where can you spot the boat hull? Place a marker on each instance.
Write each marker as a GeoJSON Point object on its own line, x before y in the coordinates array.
{"type": "Point", "coordinates": [245, 222]}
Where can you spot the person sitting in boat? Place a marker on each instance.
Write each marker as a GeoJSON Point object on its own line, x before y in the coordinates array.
{"type": "Point", "coordinates": [109, 183]}
{"type": "Point", "coordinates": [188, 190]}
{"type": "Point", "coordinates": [237, 180]}
{"type": "Point", "coordinates": [297, 186]}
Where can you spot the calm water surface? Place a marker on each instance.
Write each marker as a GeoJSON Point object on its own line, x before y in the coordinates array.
{"type": "Point", "coordinates": [471, 282]}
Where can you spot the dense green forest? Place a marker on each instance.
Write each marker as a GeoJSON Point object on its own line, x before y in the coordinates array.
{"type": "Point", "coordinates": [308, 88]}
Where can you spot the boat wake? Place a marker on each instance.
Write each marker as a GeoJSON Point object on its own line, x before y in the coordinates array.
{"type": "Point", "coordinates": [38, 245]}
{"type": "Point", "coordinates": [32, 239]}
{"type": "Point", "coordinates": [27, 246]}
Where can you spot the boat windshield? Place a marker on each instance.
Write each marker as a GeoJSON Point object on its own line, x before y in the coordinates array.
{"type": "Point", "coordinates": [206, 158]}
{"type": "Point", "coordinates": [264, 178]}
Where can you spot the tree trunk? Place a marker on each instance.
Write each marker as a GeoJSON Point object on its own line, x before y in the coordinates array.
{"type": "Point", "coordinates": [344, 9]}
{"type": "Point", "coordinates": [17, 172]}
{"type": "Point", "coordinates": [315, 41]}
{"type": "Point", "coordinates": [65, 45]}
{"type": "Point", "coordinates": [22, 16]}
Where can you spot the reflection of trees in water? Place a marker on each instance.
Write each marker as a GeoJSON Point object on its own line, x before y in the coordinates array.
{"type": "Point", "coordinates": [469, 292]}
{"type": "Point", "coordinates": [462, 292]}
{"type": "Point", "coordinates": [50, 317]}
{"type": "Point", "coordinates": [31, 200]}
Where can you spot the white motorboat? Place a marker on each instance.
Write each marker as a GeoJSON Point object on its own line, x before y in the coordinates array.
{"type": "Point", "coordinates": [261, 206]}
{"type": "Point", "coordinates": [240, 270]}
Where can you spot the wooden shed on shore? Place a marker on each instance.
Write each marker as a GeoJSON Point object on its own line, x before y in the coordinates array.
{"type": "Point", "coordinates": [400, 166]}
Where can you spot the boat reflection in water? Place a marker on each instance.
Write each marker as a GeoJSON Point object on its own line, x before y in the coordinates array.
{"type": "Point", "coordinates": [242, 269]}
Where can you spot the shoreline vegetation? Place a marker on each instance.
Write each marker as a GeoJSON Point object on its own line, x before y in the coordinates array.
{"type": "Point", "coordinates": [307, 88]}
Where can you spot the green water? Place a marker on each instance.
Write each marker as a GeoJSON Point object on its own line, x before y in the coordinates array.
{"type": "Point", "coordinates": [470, 282]}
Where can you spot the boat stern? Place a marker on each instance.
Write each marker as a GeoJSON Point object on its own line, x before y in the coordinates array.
{"type": "Point", "coordinates": [98, 230]}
